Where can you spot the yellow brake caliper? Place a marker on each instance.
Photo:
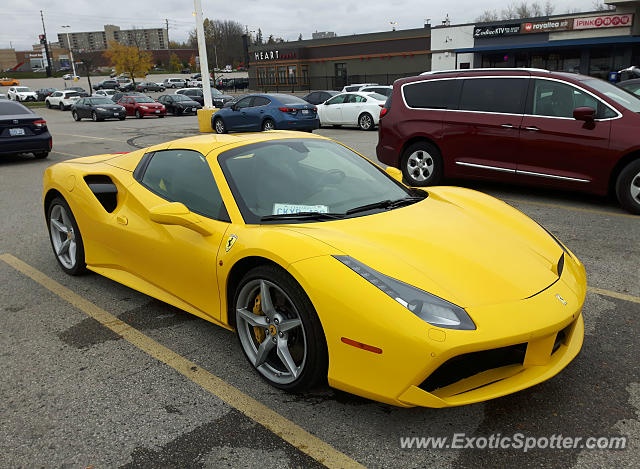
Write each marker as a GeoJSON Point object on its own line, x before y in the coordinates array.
{"type": "Point", "coordinates": [258, 331]}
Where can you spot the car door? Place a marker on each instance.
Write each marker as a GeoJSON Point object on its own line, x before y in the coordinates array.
{"type": "Point", "coordinates": [80, 107]}
{"type": "Point", "coordinates": [54, 98]}
{"type": "Point", "coordinates": [557, 149]}
{"type": "Point", "coordinates": [351, 108]}
{"type": "Point", "coordinates": [481, 137]}
{"type": "Point", "coordinates": [332, 110]}
{"type": "Point", "coordinates": [257, 112]}
{"type": "Point", "coordinates": [179, 260]}
{"type": "Point", "coordinates": [237, 117]}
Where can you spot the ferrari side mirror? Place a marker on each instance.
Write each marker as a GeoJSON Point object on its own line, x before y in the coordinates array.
{"type": "Point", "coordinates": [395, 173]}
{"type": "Point", "coordinates": [176, 213]}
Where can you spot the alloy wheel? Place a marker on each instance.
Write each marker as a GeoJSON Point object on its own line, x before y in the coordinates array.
{"type": "Point", "coordinates": [420, 165]}
{"type": "Point", "coordinates": [268, 125]}
{"type": "Point", "coordinates": [635, 188]}
{"type": "Point", "coordinates": [63, 236]}
{"type": "Point", "coordinates": [365, 122]}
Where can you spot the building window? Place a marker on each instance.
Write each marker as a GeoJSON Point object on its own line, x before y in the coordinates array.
{"type": "Point", "coordinates": [292, 78]}
{"type": "Point", "coordinates": [271, 76]}
{"type": "Point", "coordinates": [282, 75]}
{"type": "Point", "coordinates": [304, 71]}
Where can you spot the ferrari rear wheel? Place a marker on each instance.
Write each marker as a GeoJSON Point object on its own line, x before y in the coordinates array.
{"type": "Point", "coordinates": [279, 330]}
{"type": "Point", "coordinates": [65, 237]}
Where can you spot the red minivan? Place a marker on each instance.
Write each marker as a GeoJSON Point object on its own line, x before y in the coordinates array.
{"type": "Point", "coordinates": [526, 126]}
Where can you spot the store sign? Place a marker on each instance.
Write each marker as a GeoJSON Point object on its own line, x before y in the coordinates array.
{"type": "Point", "coordinates": [546, 26]}
{"type": "Point", "coordinates": [265, 55]}
{"type": "Point", "coordinates": [609, 21]}
{"type": "Point", "coordinates": [496, 31]}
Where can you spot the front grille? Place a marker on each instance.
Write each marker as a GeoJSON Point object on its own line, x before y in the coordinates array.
{"type": "Point", "coordinates": [469, 364]}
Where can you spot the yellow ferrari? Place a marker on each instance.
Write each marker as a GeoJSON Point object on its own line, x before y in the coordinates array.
{"type": "Point", "coordinates": [9, 81]}
{"type": "Point", "coordinates": [326, 266]}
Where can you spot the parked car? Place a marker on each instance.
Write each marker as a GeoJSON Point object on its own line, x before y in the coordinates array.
{"type": "Point", "coordinates": [178, 104]}
{"type": "Point", "coordinates": [319, 97]}
{"type": "Point", "coordinates": [359, 109]}
{"type": "Point", "coordinates": [97, 108]}
{"type": "Point", "coordinates": [106, 85]}
{"type": "Point", "coordinates": [527, 127]}
{"type": "Point", "coordinates": [119, 94]}
{"type": "Point", "coordinates": [125, 84]}
{"type": "Point", "coordinates": [21, 93]}
{"type": "Point", "coordinates": [62, 100]}
{"type": "Point", "coordinates": [356, 87]}
{"type": "Point", "coordinates": [174, 83]}
{"type": "Point", "coordinates": [141, 106]}
{"type": "Point", "coordinates": [194, 83]}
{"type": "Point", "coordinates": [266, 112]}
{"type": "Point", "coordinates": [219, 99]}
{"type": "Point", "coordinates": [232, 83]}
{"type": "Point", "coordinates": [384, 90]}
{"type": "Point", "coordinates": [632, 86]}
{"type": "Point", "coordinates": [78, 90]}
{"type": "Point", "coordinates": [107, 93]}
{"type": "Point", "coordinates": [9, 82]}
{"type": "Point", "coordinates": [234, 100]}
{"type": "Point", "coordinates": [42, 93]}
{"type": "Point", "coordinates": [185, 70]}
{"type": "Point", "coordinates": [149, 86]}
{"type": "Point", "coordinates": [69, 76]}
{"type": "Point", "coordinates": [23, 131]}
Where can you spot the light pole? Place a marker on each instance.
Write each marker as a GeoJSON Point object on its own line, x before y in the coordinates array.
{"type": "Point", "coordinates": [204, 114]}
{"type": "Point", "coordinates": [73, 64]}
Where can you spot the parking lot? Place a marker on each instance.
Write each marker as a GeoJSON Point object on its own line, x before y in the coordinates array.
{"type": "Point", "coordinates": [98, 375]}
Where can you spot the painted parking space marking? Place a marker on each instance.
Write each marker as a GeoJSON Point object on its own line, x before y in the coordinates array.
{"type": "Point", "coordinates": [66, 154]}
{"type": "Point", "coordinates": [614, 294]}
{"type": "Point", "coordinates": [569, 207]}
{"type": "Point", "coordinates": [95, 138]}
{"type": "Point", "coordinates": [258, 412]}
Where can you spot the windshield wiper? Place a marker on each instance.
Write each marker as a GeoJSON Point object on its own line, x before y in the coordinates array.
{"type": "Point", "coordinates": [303, 216]}
{"type": "Point", "coordinates": [387, 204]}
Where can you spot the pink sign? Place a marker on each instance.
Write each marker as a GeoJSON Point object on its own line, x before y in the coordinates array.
{"type": "Point", "coordinates": [609, 21]}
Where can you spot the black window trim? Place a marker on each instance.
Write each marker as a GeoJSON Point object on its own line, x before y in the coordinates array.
{"type": "Point", "coordinates": [141, 169]}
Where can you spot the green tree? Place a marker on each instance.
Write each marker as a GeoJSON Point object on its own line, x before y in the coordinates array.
{"type": "Point", "coordinates": [174, 63]}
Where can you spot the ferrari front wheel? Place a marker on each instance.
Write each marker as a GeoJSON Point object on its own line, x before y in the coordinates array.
{"type": "Point", "coordinates": [65, 237]}
{"type": "Point", "coordinates": [279, 330]}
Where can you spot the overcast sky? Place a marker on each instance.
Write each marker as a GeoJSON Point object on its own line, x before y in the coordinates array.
{"type": "Point", "coordinates": [20, 19]}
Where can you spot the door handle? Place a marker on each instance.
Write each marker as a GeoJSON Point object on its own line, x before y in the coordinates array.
{"type": "Point", "coordinates": [506, 126]}
{"type": "Point", "coordinates": [533, 129]}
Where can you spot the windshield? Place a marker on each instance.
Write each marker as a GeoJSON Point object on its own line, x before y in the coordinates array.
{"type": "Point", "coordinates": [72, 94]}
{"type": "Point", "coordinates": [215, 91]}
{"type": "Point", "coordinates": [290, 100]}
{"type": "Point", "coordinates": [22, 89]}
{"type": "Point", "coordinates": [144, 100]}
{"type": "Point", "coordinates": [620, 96]}
{"type": "Point", "coordinates": [303, 175]}
{"type": "Point", "coordinates": [181, 97]}
{"type": "Point", "coordinates": [8, 108]}
{"type": "Point", "coordinates": [100, 101]}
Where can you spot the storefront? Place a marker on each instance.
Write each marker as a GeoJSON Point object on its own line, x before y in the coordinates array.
{"type": "Point", "coordinates": [331, 63]}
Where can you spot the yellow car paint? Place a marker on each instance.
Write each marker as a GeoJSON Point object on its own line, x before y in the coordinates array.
{"type": "Point", "coordinates": [458, 244]}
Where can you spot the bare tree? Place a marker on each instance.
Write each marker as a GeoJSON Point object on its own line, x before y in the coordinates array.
{"type": "Point", "coordinates": [488, 15]}
{"type": "Point", "coordinates": [224, 39]}
{"type": "Point", "coordinates": [599, 5]}
{"type": "Point", "coordinates": [509, 12]}
{"type": "Point", "coordinates": [548, 8]}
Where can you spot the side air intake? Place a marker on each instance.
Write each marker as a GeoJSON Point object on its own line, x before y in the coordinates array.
{"type": "Point", "coordinates": [104, 189]}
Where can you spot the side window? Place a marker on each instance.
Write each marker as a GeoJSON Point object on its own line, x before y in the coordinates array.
{"type": "Point", "coordinates": [338, 99]}
{"type": "Point", "coordinates": [184, 176]}
{"type": "Point", "coordinates": [260, 101]}
{"type": "Point", "coordinates": [432, 94]}
{"type": "Point", "coordinates": [244, 102]}
{"type": "Point", "coordinates": [504, 95]}
{"type": "Point", "coordinates": [554, 99]}
{"type": "Point", "coordinates": [359, 99]}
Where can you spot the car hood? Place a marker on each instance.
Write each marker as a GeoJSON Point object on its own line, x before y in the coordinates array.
{"type": "Point", "coordinates": [26, 93]}
{"type": "Point", "coordinates": [464, 254]}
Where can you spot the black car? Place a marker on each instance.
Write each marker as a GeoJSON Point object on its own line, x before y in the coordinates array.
{"type": "Point", "coordinates": [78, 90]}
{"type": "Point", "coordinates": [44, 92]}
{"type": "Point", "coordinates": [219, 99]}
{"type": "Point", "coordinates": [23, 131]}
{"type": "Point", "coordinates": [178, 104]}
{"type": "Point", "coordinates": [149, 86]}
{"type": "Point", "coordinates": [319, 97]}
{"type": "Point", "coordinates": [116, 97]}
{"type": "Point", "coordinates": [97, 108]}
{"type": "Point", "coordinates": [185, 70]}
{"type": "Point", "coordinates": [106, 85]}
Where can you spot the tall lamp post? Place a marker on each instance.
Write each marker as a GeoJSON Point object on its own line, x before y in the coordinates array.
{"type": "Point", "coordinates": [73, 63]}
{"type": "Point", "coordinates": [202, 50]}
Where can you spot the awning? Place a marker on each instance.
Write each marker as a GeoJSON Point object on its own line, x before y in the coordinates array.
{"type": "Point", "coordinates": [620, 40]}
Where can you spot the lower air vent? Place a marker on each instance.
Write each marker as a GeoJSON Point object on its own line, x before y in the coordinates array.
{"type": "Point", "coordinates": [469, 364]}
{"type": "Point", "coordinates": [104, 189]}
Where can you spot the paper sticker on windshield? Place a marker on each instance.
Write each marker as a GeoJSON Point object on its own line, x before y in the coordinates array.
{"type": "Point", "coordinates": [288, 209]}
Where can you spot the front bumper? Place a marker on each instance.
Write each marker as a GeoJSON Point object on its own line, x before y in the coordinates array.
{"type": "Point", "coordinates": [111, 114]}
{"type": "Point", "coordinates": [27, 98]}
{"type": "Point", "coordinates": [413, 350]}
{"type": "Point", "coordinates": [152, 112]}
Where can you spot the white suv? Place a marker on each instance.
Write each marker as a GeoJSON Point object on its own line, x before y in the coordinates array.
{"type": "Point", "coordinates": [174, 83]}
{"type": "Point", "coordinates": [21, 93]}
{"type": "Point", "coordinates": [356, 87]}
{"type": "Point", "coordinates": [62, 99]}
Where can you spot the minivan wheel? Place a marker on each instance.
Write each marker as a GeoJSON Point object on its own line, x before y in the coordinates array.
{"type": "Point", "coordinates": [628, 187]}
{"type": "Point", "coordinates": [421, 164]}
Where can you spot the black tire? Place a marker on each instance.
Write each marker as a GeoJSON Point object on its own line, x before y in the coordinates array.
{"type": "Point", "coordinates": [628, 187]}
{"type": "Point", "coordinates": [75, 116]}
{"type": "Point", "coordinates": [336, 126]}
{"type": "Point", "coordinates": [138, 115]}
{"type": "Point", "coordinates": [94, 116]}
{"type": "Point", "coordinates": [79, 266]}
{"type": "Point", "coordinates": [218, 126]}
{"type": "Point", "coordinates": [315, 366]}
{"type": "Point", "coordinates": [365, 122]}
{"type": "Point", "coordinates": [160, 116]}
{"type": "Point", "coordinates": [48, 104]}
{"type": "Point", "coordinates": [268, 124]}
{"type": "Point", "coordinates": [416, 175]}
{"type": "Point", "coordinates": [41, 155]}
{"type": "Point", "coordinates": [122, 118]}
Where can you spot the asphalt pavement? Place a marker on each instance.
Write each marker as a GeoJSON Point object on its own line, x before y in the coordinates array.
{"type": "Point", "coordinates": [97, 375]}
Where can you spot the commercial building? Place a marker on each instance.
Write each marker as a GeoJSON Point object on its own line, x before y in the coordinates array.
{"type": "Point", "coordinates": [7, 59]}
{"type": "Point", "coordinates": [146, 39]}
{"type": "Point", "coordinates": [333, 62]}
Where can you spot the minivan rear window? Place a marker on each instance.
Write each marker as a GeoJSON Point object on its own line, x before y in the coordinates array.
{"type": "Point", "coordinates": [504, 95]}
{"type": "Point", "coordinates": [432, 94]}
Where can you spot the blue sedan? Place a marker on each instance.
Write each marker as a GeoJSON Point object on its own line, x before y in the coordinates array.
{"type": "Point", "coordinates": [257, 112]}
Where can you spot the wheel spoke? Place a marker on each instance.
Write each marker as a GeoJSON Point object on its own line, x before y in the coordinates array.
{"type": "Point", "coordinates": [286, 358]}
{"type": "Point", "coordinates": [265, 299]}
{"type": "Point", "coordinates": [289, 324]}
{"type": "Point", "coordinates": [253, 319]}
{"type": "Point", "coordinates": [65, 219]}
{"type": "Point", "coordinates": [64, 247]}
{"type": "Point", "coordinates": [263, 351]}
{"type": "Point", "coordinates": [59, 226]}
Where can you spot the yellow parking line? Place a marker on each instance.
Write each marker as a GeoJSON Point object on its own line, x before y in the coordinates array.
{"type": "Point", "coordinates": [577, 209]}
{"type": "Point", "coordinates": [614, 294]}
{"type": "Point", "coordinates": [95, 138]}
{"type": "Point", "coordinates": [284, 428]}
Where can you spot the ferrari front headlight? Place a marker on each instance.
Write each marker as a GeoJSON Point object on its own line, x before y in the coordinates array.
{"type": "Point", "coordinates": [430, 308]}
